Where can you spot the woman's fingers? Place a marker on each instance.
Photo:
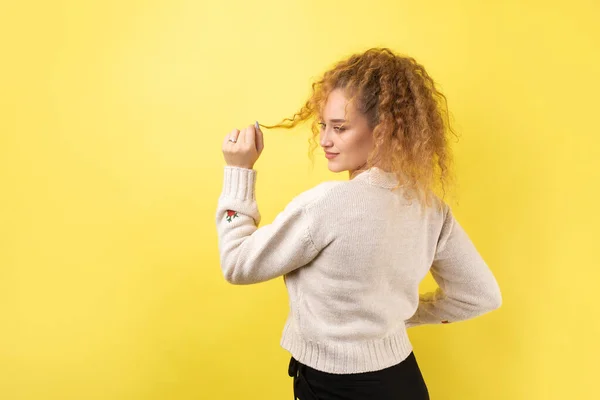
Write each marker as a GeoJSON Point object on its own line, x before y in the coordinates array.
{"type": "Point", "coordinates": [250, 137]}
{"type": "Point", "coordinates": [234, 134]}
{"type": "Point", "coordinates": [260, 140]}
{"type": "Point", "coordinates": [246, 150]}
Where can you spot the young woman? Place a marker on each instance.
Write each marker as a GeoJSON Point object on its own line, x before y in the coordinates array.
{"type": "Point", "coordinates": [352, 253]}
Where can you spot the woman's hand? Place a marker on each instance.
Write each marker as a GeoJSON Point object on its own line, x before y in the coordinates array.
{"type": "Point", "coordinates": [248, 145]}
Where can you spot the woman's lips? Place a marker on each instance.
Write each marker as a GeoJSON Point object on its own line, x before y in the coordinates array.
{"type": "Point", "coordinates": [330, 155]}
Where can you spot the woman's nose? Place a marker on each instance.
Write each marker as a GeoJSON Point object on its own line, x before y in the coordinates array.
{"type": "Point", "coordinates": [325, 139]}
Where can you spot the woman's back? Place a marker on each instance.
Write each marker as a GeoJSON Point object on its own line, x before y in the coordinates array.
{"type": "Point", "coordinates": [364, 282]}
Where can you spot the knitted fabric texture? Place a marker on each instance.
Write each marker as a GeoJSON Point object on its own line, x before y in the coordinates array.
{"type": "Point", "coordinates": [352, 255]}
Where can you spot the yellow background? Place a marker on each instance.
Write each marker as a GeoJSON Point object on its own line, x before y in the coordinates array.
{"type": "Point", "coordinates": [112, 115]}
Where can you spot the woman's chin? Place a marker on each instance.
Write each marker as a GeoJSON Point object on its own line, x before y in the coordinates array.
{"type": "Point", "coordinates": [334, 167]}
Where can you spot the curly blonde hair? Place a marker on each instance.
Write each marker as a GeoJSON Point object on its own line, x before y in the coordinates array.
{"type": "Point", "coordinates": [407, 114]}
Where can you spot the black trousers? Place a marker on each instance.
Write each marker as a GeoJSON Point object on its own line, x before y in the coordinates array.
{"type": "Point", "coordinates": [402, 381]}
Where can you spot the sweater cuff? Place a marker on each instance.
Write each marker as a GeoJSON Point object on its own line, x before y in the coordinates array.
{"type": "Point", "coordinates": [239, 183]}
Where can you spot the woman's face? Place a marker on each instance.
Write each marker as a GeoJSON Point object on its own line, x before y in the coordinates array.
{"type": "Point", "coordinates": [345, 134]}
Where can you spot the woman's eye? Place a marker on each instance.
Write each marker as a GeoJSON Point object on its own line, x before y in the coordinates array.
{"type": "Point", "coordinates": [335, 128]}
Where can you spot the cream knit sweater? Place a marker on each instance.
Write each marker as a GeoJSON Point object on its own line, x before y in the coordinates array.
{"type": "Point", "coordinates": [352, 254]}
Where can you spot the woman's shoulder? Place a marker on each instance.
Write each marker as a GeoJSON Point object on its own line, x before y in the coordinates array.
{"type": "Point", "coordinates": [319, 193]}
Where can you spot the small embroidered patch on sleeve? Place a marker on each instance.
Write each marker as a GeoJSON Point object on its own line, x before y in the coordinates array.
{"type": "Point", "coordinates": [231, 214]}
{"type": "Point", "coordinates": [445, 322]}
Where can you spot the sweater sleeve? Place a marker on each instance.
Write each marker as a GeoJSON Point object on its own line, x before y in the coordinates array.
{"type": "Point", "coordinates": [467, 287]}
{"type": "Point", "coordinates": [249, 254]}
